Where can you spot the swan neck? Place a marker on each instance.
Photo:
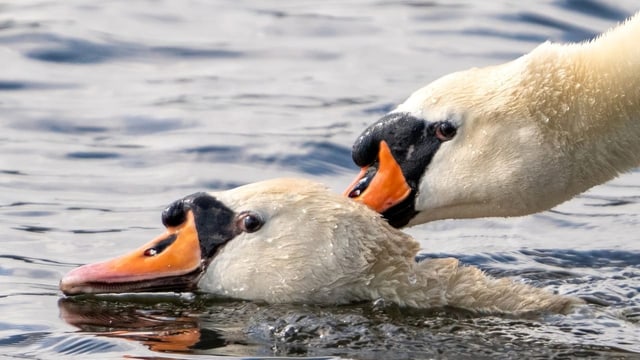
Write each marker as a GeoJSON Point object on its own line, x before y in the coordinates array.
{"type": "Point", "coordinates": [587, 103]}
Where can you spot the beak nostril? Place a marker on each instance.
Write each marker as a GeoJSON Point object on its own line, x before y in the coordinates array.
{"type": "Point", "coordinates": [175, 214]}
{"type": "Point", "coordinates": [160, 246]}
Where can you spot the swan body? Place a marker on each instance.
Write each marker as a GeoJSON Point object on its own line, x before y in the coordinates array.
{"type": "Point", "coordinates": [292, 241]}
{"type": "Point", "coordinates": [511, 139]}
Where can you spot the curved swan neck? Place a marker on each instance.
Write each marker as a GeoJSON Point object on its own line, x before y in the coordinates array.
{"type": "Point", "coordinates": [587, 101]}
{"type": "Point", "coordinates": [616, 54]}
{"type": "Point", "coordinates": [587, 87]}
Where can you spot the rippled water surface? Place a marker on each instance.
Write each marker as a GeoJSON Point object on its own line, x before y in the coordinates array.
{"type": "Point", "coordinates": [110, 110]}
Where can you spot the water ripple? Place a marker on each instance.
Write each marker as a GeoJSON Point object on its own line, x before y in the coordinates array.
{"type": "Point", "coordinates": [93, 155]}
{"type": "Point", "coordinates": [18, 85]}
{"type": "Point", "coordinates": [569, 31]}
{"type": "Point", "coordinates": [183, 52]}
{"type": "Point", "coordinates": [32, 260]}
{"type": "Point", "coordinates": [316, 157]}
{"type": "Point", "coordinates": [594, 8]}
{"type": "Point", "coordinates": [71, 50]}
{"type": "Point", "coordinates": [24, 339]}
{"type": "Point", "coordinates": [588, 258]}
{"type": "Point", "coordinates": [80, 345]}
{"type": "Point", "coordinates": [12, 172]}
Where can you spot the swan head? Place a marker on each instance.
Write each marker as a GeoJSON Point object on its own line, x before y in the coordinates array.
{"type": "Point", "coordinates": [281, 240]}
{"type": "Point", "coordinates": [470, 144]}
{"type": "Point", "coordinates": [196, 227]}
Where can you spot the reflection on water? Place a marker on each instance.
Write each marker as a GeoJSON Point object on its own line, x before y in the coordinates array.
{"type": "Point", "coordinates": [201, 325]}
{"type": "Point", "coordinates": [158, 329]}
{"type": "Point", "coordinates": [111, 110]}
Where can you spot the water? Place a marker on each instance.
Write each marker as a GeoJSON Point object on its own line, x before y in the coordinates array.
{"type": "Point", "coordinates": [111, 110]}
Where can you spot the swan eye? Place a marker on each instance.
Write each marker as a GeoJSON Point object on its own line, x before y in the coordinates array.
{"type": "Point", "coordinates": [445, 131]}
{"type": "Point", "coordinates": [359, 188]}
{"type": "Point", "coordinates": [363, 184]}
{"type": "Point", "coordinates": [250, 222]}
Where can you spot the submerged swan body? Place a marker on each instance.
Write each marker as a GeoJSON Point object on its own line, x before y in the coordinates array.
{"type": "Point", "coordinates": [289, 240]}
{"type": "Point", "coordinates": [508, 140]}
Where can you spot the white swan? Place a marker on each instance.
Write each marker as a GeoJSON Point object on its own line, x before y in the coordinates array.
{"type": "Point", "coordinates": [292, 241]}
{"type": "Point", "coordinates": [508, 140]}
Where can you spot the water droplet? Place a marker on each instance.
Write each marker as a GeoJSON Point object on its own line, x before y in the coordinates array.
{"type": "Point", "coordinates": [368, 282]}
{"type": "Point", "coordinates": [412, 279]}
{"type": "Point", "coordinates": [378, 303]}
{"type": "Point", "coordinates": [544, 118]}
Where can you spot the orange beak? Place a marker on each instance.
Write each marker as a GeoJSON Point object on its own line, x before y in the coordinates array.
{"type": "Point", "coordinates": [388, 186]}
{"type": "Point", "coordinates": [171, 262]}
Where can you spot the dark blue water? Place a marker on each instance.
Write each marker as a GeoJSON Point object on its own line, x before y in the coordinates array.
{"type": "Point", "coordinates": [111, 110]}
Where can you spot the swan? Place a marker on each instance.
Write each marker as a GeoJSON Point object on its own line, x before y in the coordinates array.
{"type": "Point", "coordinates": [293, 241]}
{"type": "Point", "coordinates": [507, 140]}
